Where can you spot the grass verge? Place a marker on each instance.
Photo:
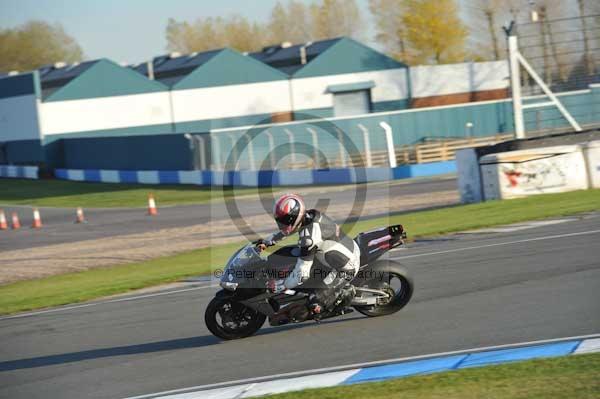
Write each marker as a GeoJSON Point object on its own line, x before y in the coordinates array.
{"type": "Point", "coordinates": [557, 378]}
{"type": "Point", "coordinates": [82, 286]}
{"type": "Point", "coordinates": [65, 194]}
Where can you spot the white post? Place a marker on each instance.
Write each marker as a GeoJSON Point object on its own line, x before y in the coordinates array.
{"type": "Point", "coordinates": [515, 83]}
{"type": "Point", "coordinates": [315, 144]}
{"type": "Point", "coordinates": [202, 148]}
{"type": "Point", "coordinates": [271, 149]}
{"type": "Point", "coordinates": [250, 152]}
{"type": "Point", "coordinates": [390, 143]}
{"type": "Point", "coordinates": [365, 132]}
{"type": "Point", "coordinates": [234, 149]}
{"type": "Point", "coordinates": [217, 152]}
{"type": "Point", "coordinates": [192, 143]}
{"type": "Point", "coordinates": [292, 148]}
{"type": "Point", "coordinates": [342, 152]}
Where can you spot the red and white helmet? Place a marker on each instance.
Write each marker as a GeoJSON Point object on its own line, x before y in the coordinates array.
{"type": "Point", "coordinates": [289, 212]}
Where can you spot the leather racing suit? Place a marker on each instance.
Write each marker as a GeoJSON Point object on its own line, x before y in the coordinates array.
{"type": "Point", "coordinates": [321, 243]}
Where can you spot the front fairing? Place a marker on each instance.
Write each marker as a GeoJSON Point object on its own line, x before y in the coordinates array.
{"type": "Point", "coordinates": [244, 269]}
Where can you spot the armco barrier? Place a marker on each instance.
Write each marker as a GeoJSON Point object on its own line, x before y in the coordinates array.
{"type": "Point", "coordinates": [259, 178]}
{"type": "Point", "coordinates": [20, 172]}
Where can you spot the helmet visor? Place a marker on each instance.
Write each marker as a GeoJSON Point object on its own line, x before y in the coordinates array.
{"type": "Point", "coordinates": [286, 223]}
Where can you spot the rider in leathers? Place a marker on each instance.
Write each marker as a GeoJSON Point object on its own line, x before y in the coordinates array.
{"type": "Point", "coordinates": [320, 240]}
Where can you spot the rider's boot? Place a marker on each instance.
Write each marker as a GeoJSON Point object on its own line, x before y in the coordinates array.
{"type": "Point", "coordinates": [314, 307]}
{"type": "Point", "coordinates": [337, 295]}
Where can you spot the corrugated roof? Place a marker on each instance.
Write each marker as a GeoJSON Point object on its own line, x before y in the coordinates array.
{"type": "Point", "coordinates": [104, 78]}
{"type": "Point", "coordinates": [347, 56]}
{"type": "Point", "coordinates": [229, 67]}
{"type": "Point", "coordinates": [53, 76]}
{"type": "Point", "coordinates": [288, 58]}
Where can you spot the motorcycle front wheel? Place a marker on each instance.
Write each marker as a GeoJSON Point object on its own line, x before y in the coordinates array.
{"type": "Point", "coordinates": [229, 319]}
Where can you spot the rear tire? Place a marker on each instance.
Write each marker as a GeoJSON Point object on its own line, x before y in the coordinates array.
{"type": "Point", "coordinates": [388, 272]}
{"type": "Point", "coordinates": [228, 319]}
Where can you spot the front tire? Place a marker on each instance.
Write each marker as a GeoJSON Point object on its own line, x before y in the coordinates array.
{"type": "Point", "coordinates": [392, 278]}
{"type": "Point", "coordinates": [228, 319]}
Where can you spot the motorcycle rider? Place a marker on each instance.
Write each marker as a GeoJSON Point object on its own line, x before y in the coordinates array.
{"type": "Point", "coordinates": [320, 239]}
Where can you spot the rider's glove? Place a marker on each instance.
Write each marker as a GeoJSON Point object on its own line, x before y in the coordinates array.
{"type": "Point", "coordinates": [276, 286]}
{"type": "Point", "coordinates": [262, 244]}
{"type": "Point", "coordinates": [266, 241]}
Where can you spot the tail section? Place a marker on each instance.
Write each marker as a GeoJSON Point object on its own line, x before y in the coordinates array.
{"type": "Point", "coordinates": [375, 243]}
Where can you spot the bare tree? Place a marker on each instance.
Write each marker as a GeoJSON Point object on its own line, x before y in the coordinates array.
{"type": "Point", "coordinates": [289, 23]}
{"type": "Point", "coordinates": [334, 18]}
{"type": "Point", "coordinates": [204, 34]}
{"type": "Point", "coordinates": [485, 19]}
{"type": "Point", "coordinates": [292, 21]}
{"type": "Point", "coordinates": [484, 27]}
{"type": "Point", "coordinates": [589, 59]}
{"type": "Point", "coordinates": [547, 11]}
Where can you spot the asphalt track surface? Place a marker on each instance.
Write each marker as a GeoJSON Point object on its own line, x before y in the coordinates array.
{"type": "Point", "coordinates": [472, 290]}
{"type": "Point", "coordinates": [59, 224]}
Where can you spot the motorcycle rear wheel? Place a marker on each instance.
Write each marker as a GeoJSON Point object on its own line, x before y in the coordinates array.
{"type": "Point", "coordinates": [228, 319]}
{"type": "Point", "coordinates": [399, 297]}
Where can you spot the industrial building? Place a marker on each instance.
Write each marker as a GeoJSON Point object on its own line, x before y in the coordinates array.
{"type": "Point", "coordinates": [102, 115]}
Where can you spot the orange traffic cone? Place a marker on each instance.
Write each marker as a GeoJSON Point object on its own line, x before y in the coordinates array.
{"type": "Point", "coordinates": [16, 224]}
{"type": "Point", "coordinates": [3, 223]}
{"type": "Point", "coordinates": [80, 217]}
{"type": "Point", "coordinates": [37, 220]}
{"type": "Point", "coordinates": [152, 206]}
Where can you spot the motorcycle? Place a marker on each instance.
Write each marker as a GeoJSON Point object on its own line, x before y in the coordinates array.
{"type": "Point", "coordinates": [241, 308]}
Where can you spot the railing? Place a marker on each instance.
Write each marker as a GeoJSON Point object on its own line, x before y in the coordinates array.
{"type": "Point", "coordinates": [444, 150]}
{"type": "Point", "coordinates": [438, 151]}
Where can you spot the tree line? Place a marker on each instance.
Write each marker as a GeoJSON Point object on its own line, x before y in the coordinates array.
{"type": "Point", "coordinates": [413, 31]}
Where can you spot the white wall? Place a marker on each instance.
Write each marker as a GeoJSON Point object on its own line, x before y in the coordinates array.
{"type": "Point", "coordinates": [310, 93]}
{"type": "Point", "coordinates": [543, 170]}
{"type": "Point", "coordinates": [436, 80]}
{"type": "Point", "coordinates": [231, 101]}
{"type": "Point", "coordinates": [105, 113]}
{"type": "Point", "coordinates": [19, 118]}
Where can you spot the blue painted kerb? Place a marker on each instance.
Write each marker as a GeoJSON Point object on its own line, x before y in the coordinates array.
{"type": "Point", "coordinates": [446, 363]}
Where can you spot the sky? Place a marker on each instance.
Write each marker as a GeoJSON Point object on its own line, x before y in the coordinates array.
{"type": "Point", "coordinates": [129, 31]}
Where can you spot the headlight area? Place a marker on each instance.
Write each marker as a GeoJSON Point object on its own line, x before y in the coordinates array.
{"type": "Point", "coordinates": [229, 286]}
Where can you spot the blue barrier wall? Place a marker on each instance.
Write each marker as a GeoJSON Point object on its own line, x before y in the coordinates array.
{"type": "Point", "coordinates": [19, 172]}
{"type": "Point", "coordinates": [264, 178]}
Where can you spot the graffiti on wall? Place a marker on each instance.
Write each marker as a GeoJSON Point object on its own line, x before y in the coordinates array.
{"type": "Point", "coordinates": [535, 175]}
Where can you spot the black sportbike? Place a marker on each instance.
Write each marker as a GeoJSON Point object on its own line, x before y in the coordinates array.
{"type": "Point", "coordinates": [381, 287]}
